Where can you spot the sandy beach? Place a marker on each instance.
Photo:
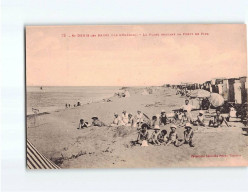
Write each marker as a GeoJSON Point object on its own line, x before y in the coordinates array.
{"type": "Point", "coordinates": [56, 136]}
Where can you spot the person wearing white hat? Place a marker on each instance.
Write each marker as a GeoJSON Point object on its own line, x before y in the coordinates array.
{"type": "Point", "coordinates": [155, 134]}
{"type": "Point", "coordinates": [173, 137]}
{"type": "Point", "coordinates": [188, 135]}
{"type": "Point", "coordinates": [187, 108]}
{"type": "Point", "coordinates": [200, 119]}
{"type": "Point", "coordinates": [117, 121]}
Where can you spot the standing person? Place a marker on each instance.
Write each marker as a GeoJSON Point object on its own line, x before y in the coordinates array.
{"type": "Point", "coordinates": [188, 135]}
{"type": "Point", "coordinates": [173, 137]}
{"type": "Point", "coordinates": [124, 117]}
{"type": "Point", "coordinates": [139, 118]}
{"type": "Point", "coordinates": [217, 120]}
{"type": "Point", "coordinates": [163, 118]}
{"type": "Point", "coordinates": [187, 108]}
{"type": "Point", "coordinates": [117, 120]}
{"type": "Point", "coordinates": [66, 106]}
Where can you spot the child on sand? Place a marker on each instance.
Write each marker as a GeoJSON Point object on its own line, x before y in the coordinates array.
{"type": "Point", "coordinates": [143, 134]}
{"type": "Point", "coordinates": [173, 137]}
{"type": "Point", "coordinates": [188, 135]}
{"type": "Point", "coordinates": [162, 136]}
{"type": "Point", "coordinates": [154, 137]}
{"type": "Point", "coordinates": [200, 119]}
{"type": "Point", "coordinates": [82, 124]}
{"type": "Point", "coordinates": [163, 118]}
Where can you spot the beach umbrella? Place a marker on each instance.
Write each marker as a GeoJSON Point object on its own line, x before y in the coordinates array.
{"type": "Point", "coordinates": [216, 100]}
{"type": "Point", "coordinates": [200, 93]}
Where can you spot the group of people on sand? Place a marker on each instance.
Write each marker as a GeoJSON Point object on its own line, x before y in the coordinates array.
{"type": "Point", "coordinates": [184, 114]}
{"type": "Point", "coordinates": [159, 137]}
{"type": "Point", "coordinates": [125, 119]}
{"type": "Point", "coordinates": [128, 119]}
{"type": "Point", "coordinates": [75, 105]}
{"type": "Point", "coordinates": [95, 122]}
{"type": "Point", "coordinates": [183, 92]}
{"type": "Point", "coordinates": [149, 129]}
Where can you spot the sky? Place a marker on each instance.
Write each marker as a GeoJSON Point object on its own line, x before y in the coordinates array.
{"type": "Point", "coordinates": [156, 55]}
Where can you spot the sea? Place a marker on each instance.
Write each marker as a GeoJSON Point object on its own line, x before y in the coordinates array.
{"type": "Point", "coordinates": [49, 99]}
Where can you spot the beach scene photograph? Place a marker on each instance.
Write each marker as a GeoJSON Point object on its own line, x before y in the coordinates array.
{"type": "Point", "coordinates": [136, 96]}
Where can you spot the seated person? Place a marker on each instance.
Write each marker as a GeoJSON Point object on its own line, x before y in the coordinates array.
{"type": "Point", "coordinates": [143, 134]}
{"type": "Point", "coordinates": [200, 119]}
{"type": "Point", "coordinates": [131, 120]}
{"type": "Point", "coordinates": [154, 121]}
{"type": "Point", "coordinates": [117, 120]}
{"type": "Point", "coordinates": [217, 120]}
{"type": "Point", "coordinates": [154, 137]}
{"type": "Point", "coordinates": [83, 124]}
{"type": "Point", "coordinates": [124, 117]}
{"type": "Point", "coordinates": [188, 135]}
{"type": "Point", "coordinates": [163, 118]}
{"type": "Point", "coordinates": [173, 137]}
{"type": "Point", "coordinates": [97, 122]}
{"type": "Point", "coordinates": [162, 136]}
{"type": "Point", "coordinates": [139, 118]}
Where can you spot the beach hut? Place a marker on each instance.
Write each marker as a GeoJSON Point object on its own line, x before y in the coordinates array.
{"type": "Point", "coordinates": [219, 85]}
{"type": "Point", "coordinates": [35, 160]}
{"type": "Point", "coordinates": [237, 92]}
{"type": "Point", "coordinates": [231, 96]}
{"type": "Point", "coordinates": [225, 89]}
{"type": "Point", "coordinates": [208, 86]}
{"type": "Point", "coordinates": [243, 81]}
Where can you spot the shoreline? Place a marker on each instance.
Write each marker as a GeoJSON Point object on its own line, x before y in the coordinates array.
{"type": "Point", "coordinates": [61, 109]}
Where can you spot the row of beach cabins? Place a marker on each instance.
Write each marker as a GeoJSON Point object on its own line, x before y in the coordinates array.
{"type": "Point", "coordinates": [233, 90]}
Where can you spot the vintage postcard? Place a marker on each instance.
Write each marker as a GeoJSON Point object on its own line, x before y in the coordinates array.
{"type": "Point", "coordinates": [136, 96]}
